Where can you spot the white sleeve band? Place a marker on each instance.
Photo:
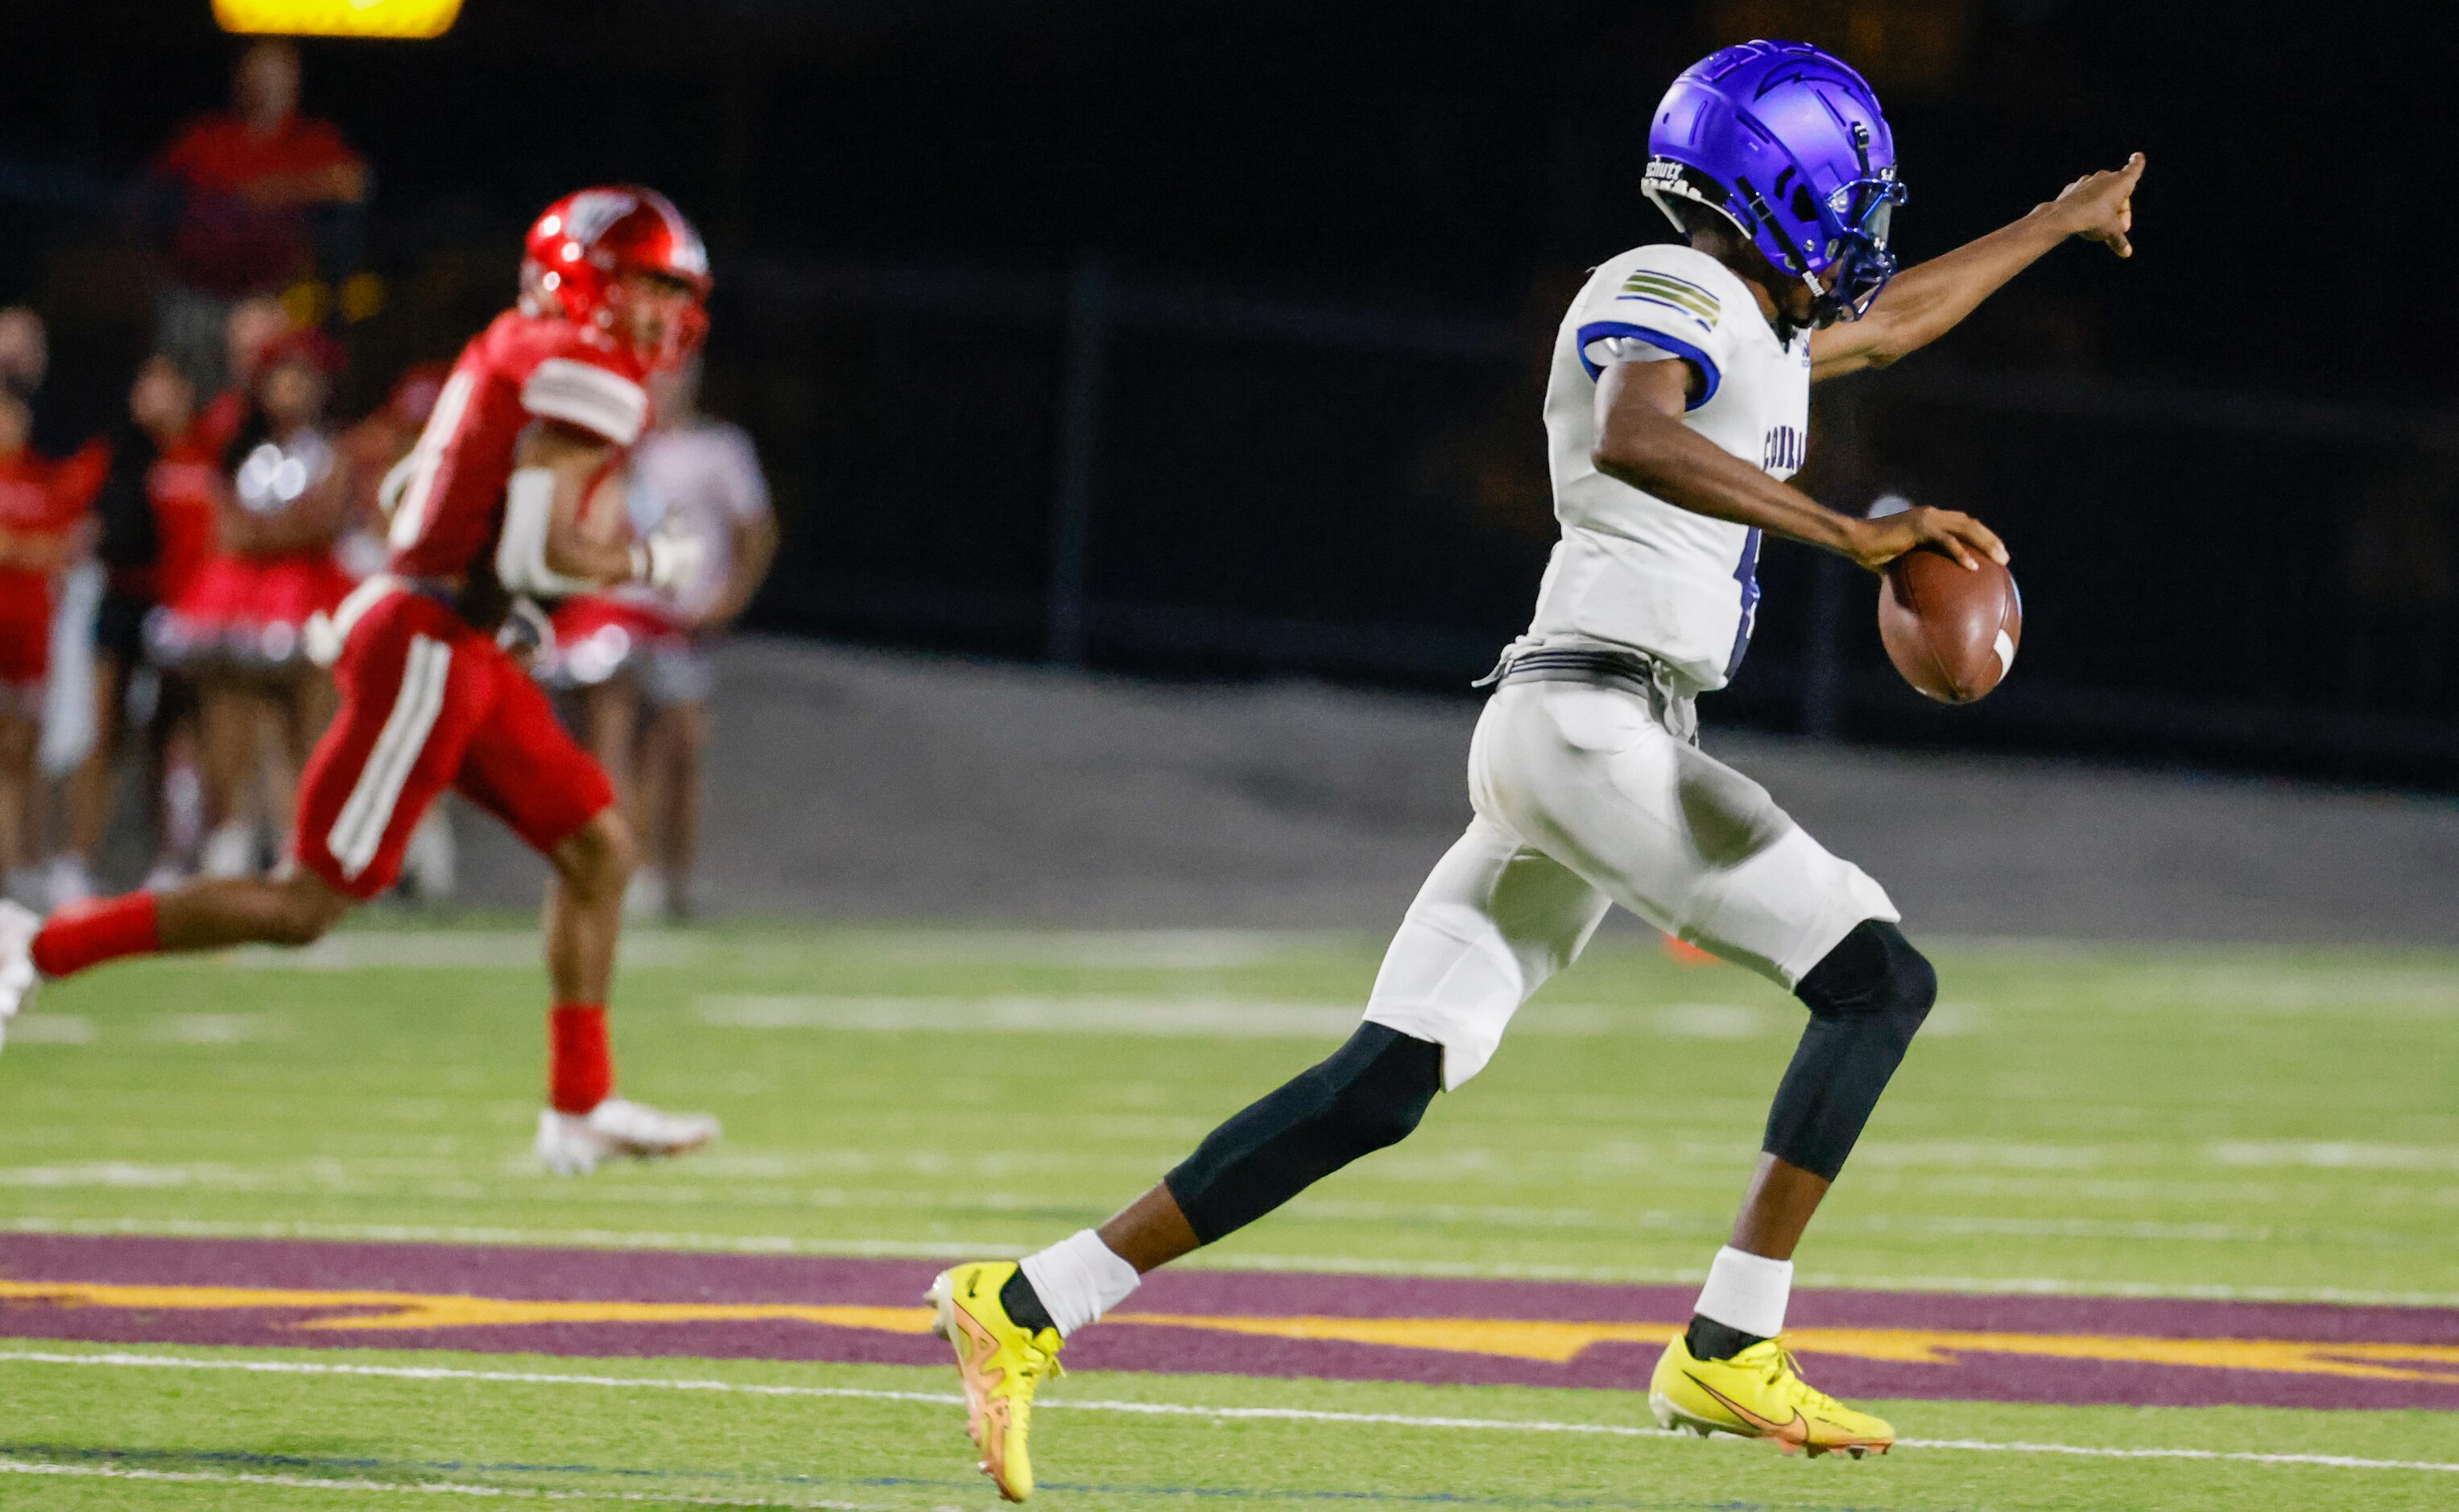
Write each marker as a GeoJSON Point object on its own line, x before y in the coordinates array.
{"type": "Point", "coordinates": [578, 393]}
{"type": "Point", "coordinates": [521, 551]}
{"type": "Point", "coordinates": [1606, 351]}
{"type": "Point", "coordinates": [396, 483]}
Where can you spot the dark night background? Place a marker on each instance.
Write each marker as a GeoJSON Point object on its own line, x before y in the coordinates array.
{"type": "Point", "coordinates": [1296, 263]}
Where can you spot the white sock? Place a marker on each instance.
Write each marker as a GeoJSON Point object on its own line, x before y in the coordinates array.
{"type": "Point", "coordinates": [1746, 1292]}
{"type": "Point", "coordinates": [1079, 1279]}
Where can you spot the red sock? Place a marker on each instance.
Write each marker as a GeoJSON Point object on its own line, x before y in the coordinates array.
{"type": "Point", "coordinates": [86, 934]}
{"type": "Point", "coordinates": [581, 1068]}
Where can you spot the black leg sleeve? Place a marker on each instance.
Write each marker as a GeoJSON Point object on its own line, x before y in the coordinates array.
{"type": "Point", "coordinates": [1867, 998]}
{"type": "Point", "coordinates": [1371, 1093]}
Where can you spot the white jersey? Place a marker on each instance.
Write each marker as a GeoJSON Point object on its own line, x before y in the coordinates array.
{"type": "Point", "coordinates": [1632, 570]}
{"type": "Point", "coordinates": [704, 477]}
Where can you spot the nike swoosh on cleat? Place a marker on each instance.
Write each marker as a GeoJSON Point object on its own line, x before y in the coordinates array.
{"type": "Point", "coordinates": [1794, 1434]}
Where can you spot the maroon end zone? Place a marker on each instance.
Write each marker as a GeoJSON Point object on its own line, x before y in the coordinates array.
{"type": "Point", "coordinates": [2063, 1350]}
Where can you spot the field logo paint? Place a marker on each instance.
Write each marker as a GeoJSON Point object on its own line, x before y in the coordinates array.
{"type": "Point", "coordinates": [1543, 1340]}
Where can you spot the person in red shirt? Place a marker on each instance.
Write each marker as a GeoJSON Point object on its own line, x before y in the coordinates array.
{"type": "Point", "coordinates": [512, 492]}
{"type": "Point", "coordinates": [25, 348]}
{"type": "Point", "coordinates": [159, 514]}
{"type": "Point", "coordinates": [251, 182]}
{"type": "Point", "coordinates": [43, 509]}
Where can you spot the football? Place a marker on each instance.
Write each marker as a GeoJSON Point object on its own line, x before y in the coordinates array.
{"type": "Point", "coordinates": [1951, 632]}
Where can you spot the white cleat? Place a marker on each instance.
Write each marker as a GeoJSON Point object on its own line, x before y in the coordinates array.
{"type": "Point", "coordinates": [230, 852]}
{"type": "Point", "coordinates": [573, 1143]}
{"type": "Point", "coordinates": [644, 896]}
{"type": "Point", "coordinates": [19, 978]}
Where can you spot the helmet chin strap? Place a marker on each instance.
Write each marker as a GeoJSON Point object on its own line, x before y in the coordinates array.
{"type": "Point", "coordinates": [1818, 289]}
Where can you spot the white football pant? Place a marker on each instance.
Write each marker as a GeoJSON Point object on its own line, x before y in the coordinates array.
{"type": "Point", "coordinates": [1583, 799]}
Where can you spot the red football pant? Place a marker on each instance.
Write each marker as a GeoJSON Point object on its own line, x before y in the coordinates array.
{"type": "Point", "coordinates": [429, 703]}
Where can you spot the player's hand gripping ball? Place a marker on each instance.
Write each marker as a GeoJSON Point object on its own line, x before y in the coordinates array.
{"type": "Point", "coordinates": [1950, 630]}
{"type": "Point", "coordinates": [605, 516]}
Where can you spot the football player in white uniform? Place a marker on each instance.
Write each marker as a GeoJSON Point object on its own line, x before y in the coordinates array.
{"type": "Point", "coordinates": [1678, 404]}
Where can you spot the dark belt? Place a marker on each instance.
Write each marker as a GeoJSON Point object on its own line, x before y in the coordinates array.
{"type": "Point", "coordinates": [1626, 671]}
{"type": "Point", "coordinates": [443, 590]}
{"type": "Point", "coordinates": [479, 609]}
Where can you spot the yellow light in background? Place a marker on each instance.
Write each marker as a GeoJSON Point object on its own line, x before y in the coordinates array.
{"type": "Point", "coordinates": [408, 19]}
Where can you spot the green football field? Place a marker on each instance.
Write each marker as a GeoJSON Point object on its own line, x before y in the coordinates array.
{"type": "Point", "coordinates": [2218, 1140]}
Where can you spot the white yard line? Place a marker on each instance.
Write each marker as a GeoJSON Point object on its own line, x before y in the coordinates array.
{"type": "Point", "coordinates": [1335, 1265]}
{"type": "Point", "coordinates": [29, 1467]}
{"type": "Point", "coordinates": [124, 1361]}
{"type": "Point", "coordinates": [1216, 1017]}
{"type": "Point", "coordinates": [457, 950]}
{"type": "Point", "coordinates": [2331, 1155]}
{"type": "Point", "coordinates": [583, 1238]}
{"type": "Point", "coordinates": [48, 1028]}
{"type": "Point", "coordinates": [493, 949]}
{"type": "Point", "coordinates": [1153, 948]}
{"type": "Point", "coordinates": [1209, 1018]}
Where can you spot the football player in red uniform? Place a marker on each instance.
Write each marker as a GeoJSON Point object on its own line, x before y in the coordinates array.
{"type": "Point", "coordinates": [497, 504]}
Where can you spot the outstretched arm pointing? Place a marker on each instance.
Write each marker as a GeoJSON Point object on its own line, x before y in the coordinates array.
{"type": "Point", "coordinates": [1928, 299]}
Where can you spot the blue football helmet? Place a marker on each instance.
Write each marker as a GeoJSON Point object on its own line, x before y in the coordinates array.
{"type": "Point", "coordinates": [1788, 143]}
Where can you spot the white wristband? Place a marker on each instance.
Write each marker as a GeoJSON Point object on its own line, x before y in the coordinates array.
{"type": "Point", "coordinates": [521, 551]}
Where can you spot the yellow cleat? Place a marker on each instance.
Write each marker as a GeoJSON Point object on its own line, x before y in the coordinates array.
{"type": "Point", "coordinates": [1760, 1394]}
{"type": "Point", "coordinates": [1002, 1364]}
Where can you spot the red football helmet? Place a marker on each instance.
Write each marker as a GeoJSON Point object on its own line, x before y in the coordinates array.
{"type": "Point", "coordinates": [579, 248]}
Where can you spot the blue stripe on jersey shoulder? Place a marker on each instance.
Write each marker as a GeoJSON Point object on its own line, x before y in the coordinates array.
{"type": "Point", "coordinates": [1597, 330]}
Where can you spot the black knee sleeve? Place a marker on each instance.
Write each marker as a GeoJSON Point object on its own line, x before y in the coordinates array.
{"type": "Point", "coordinates": [1867, 998]}
{"type": "Point", "coordinates": [1371, 1093]}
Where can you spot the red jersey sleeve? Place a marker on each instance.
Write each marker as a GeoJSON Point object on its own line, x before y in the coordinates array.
{"type": "Point", "coordinates": [319, 143]}
{"type": "Point", "coordinates": [78, 479]}
{"type": "Point", "coordinates": [581, 386]}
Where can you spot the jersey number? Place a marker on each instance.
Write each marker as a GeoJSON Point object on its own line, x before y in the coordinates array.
{"type": "Point", "coordinates": [1746, 573]}
{"type": "Point", "coordinates": [410, 514]}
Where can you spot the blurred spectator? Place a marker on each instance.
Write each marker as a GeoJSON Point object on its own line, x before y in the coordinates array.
{"type": "Point", "coordinates": [26, 366]}
{"type": "Point", "coordinates": [25, 351]}
{"type": "Point", "coordinates": [242, 624]}
{"type": "Point", "coordinates": [257, 184]}
{"type": "Point", "coordinates": [157, 517]}
{"type": "Point", "coordinates": [43, 509]}
{"type": "Point", "coordinates": [375, 446]}
{"type": "Point", "coordinates": [641, 657]}
{"type": "Point", "coordinates": [254, 329]}
{"type": "Point", "coordinates": [67, 715]}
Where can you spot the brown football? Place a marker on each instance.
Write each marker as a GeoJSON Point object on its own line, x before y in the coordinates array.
{"type": "Point", "coordinates": [1950, 631]}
